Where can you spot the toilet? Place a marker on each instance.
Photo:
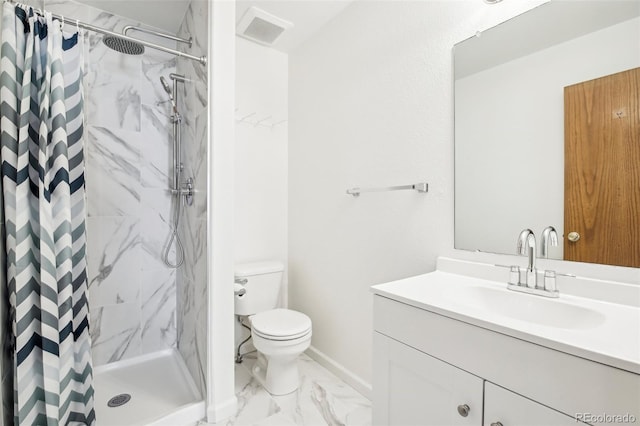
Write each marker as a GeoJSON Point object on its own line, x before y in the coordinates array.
{"type": "Point", "coordinates": [279, 335]}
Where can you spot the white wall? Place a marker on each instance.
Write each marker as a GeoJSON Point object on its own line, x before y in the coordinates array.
{"type": "Point", "coordinates": [261, 158]}
{"type": "Point", "coordinates": [510, 137]}
{"type": "Point", "coordinates": [371, 104]}
{"type": "Point", "coordinates": [261, 153]}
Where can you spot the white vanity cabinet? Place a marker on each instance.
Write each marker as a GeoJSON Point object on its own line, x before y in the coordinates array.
{"type": "Point", "coordinates": [426, 365]}
{"type": "Point", "coordinates": [413, 388]}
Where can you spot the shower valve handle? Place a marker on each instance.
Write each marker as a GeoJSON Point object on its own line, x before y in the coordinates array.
{"type": "Point", "coordinates": [188, 188]}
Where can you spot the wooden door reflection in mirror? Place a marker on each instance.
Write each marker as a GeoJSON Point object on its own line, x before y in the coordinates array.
{"type": "Point", "coordinates": [602, 170]}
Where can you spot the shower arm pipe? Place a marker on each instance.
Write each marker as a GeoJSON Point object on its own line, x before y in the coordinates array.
{"type": "Point", "coordinates": [158, 34]}
{"type": "Point", "coordinates": [201, 59]}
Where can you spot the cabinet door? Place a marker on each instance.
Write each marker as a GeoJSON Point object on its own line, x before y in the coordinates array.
{"type": "Point", "coordinates": [413, 388]}
{"type": "Point", "coordinates": [510, 409]}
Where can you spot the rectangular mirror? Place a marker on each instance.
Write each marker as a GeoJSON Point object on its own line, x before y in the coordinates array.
{"type": "Point", "coordinates": [547, 132]}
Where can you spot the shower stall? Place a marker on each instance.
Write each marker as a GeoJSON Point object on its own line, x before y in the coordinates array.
{"type": "Point", "coordinates": [152, 267]}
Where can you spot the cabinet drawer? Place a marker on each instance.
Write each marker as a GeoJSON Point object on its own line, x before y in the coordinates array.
{"type": "Point", "coordinates": [568, 383]}
{"type": "Point", "coordinates": [510, 409]}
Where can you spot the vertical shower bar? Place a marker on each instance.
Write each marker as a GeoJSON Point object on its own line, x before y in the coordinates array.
{"type": "Point", "coordinates": [177, 190]}
{"type": "Point", "coordinates": [177, 148]}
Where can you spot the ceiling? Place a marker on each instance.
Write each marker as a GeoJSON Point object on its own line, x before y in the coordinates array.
{"type": "Point", "coordinates": [307, 16]}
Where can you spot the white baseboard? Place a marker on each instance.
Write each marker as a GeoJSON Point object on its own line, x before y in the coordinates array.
{"type": "Point", "coordinates": [341, 371]}
{"type": "Point", "coordinates": [222, 411]}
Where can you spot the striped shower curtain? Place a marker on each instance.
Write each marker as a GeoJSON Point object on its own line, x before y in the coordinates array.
{"type": "Point", "coordinates": [42, 167]}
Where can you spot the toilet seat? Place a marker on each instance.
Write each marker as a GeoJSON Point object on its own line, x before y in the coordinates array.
{"type": "Point", "coordinates": [280, 324]}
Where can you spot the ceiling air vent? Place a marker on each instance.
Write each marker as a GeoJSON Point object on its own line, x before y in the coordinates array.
{"type": "Point", "coordinates": [261, 27]}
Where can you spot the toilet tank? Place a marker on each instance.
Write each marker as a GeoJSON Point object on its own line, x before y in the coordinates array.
{"type": "Point", "coordinates": [262, 287]}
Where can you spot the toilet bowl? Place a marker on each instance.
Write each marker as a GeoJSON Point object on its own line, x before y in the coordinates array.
{"type": "Point", "coordinates": [279, 335]}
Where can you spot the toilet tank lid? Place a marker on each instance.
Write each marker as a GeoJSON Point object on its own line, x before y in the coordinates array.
{"type": "Point", "coordinates": [258, 268]}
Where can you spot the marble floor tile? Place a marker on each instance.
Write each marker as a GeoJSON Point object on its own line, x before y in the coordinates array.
{"type": "Point", "coordinates": [276, 420]}
{"type": "Point", "coordinates": [322, 399]}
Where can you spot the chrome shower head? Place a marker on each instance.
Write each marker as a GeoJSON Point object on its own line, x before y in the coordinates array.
{"type": "Point", "coordinates": [123, 46]}
{"type": "Point", "coordinates": [166, 87]}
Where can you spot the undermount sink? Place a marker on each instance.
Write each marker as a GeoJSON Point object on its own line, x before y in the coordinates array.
{"type": "Point", "coordinates": [531, 308]}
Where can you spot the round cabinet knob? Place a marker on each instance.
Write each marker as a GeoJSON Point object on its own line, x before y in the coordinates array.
{"type": "Point", "coordinates": [573, 236]}
{"type": "Point", "coordinates": [463, 410]}
{"type": "Point", "coordinates": [496, 424]}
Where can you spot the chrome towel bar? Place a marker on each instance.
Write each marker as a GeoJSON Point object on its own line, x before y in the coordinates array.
{"type": "Point", "coordinates": [420, 187]}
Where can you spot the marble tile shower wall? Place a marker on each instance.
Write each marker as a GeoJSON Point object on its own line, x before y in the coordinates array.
{"type": "Point", "coordinates": [132, 294]}
{"type": "Point", "coordinates": [192, 278]}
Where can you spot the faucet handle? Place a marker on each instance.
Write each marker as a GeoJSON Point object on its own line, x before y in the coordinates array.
{"type": "Point", "coordinates": [514, 275]}
{"type": "Point", "coordinates": [550, 281]}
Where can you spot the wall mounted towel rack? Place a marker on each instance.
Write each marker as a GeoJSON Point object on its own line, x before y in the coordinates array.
{"type": "Point", "coordinates": [420, 187]}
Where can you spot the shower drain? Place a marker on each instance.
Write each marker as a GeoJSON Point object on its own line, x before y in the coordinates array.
{"type": "Point", "coordinates": [119, 400]}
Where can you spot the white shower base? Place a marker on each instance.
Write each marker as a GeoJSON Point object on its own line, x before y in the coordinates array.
{"type": "Point", "coordinates": [161, 388]}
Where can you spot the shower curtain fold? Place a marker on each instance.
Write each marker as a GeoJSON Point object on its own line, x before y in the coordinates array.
{"type": "Point", "coordinates": [43, 205]}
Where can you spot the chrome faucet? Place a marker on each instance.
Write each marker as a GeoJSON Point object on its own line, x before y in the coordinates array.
{"type": "Point", "coordinates": [527, 247]}
{"type": "Point", "coordinates": [549, 238]}
{"type": "Point", "coordinates": [526, 281]}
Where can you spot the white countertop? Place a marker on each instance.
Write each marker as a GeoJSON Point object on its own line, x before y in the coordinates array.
{"type": "Point", "coordinates": [609, 333]}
